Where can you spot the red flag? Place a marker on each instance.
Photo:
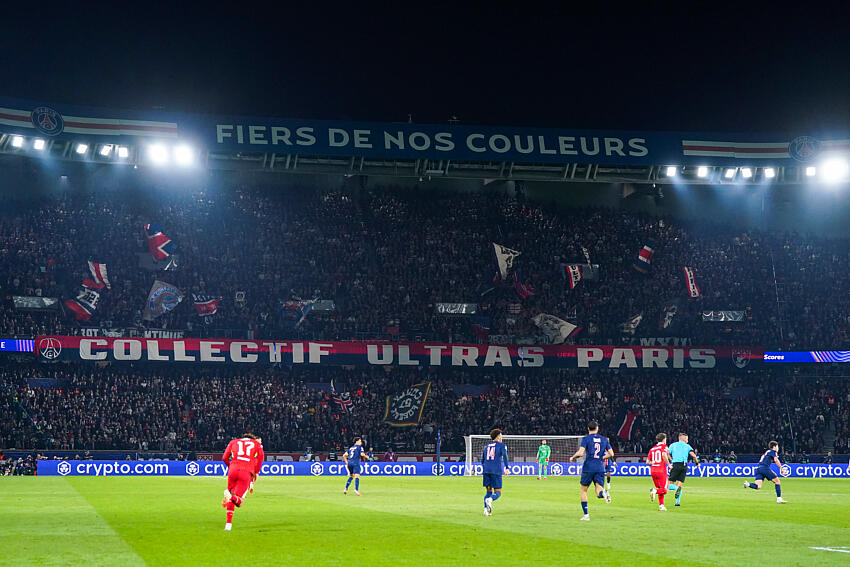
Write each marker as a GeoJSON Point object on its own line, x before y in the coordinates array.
{"type": "Point", "coordinates": [628, 426]}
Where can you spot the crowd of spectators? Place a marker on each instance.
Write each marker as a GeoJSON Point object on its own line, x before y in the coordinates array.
{"type": "Point", "coordinates": [142, 408]}
{"type": "Point", "coordinates": [386, 256]}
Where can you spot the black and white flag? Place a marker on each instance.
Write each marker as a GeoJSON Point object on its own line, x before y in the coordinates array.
{"type": "Point", "coordinates": [555, 328]}
{"type": "Point", "coordinates": [505, 259]}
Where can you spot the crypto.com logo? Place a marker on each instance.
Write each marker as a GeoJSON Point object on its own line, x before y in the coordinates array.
{"type": "Point", "coordinates": [556, 469]}
{"type": "Point", "coordinates": [438, 469]}
{"type": "Point", "coordinates": [785, 470]}
{"type": "Point", "coordinates": [50, 348]}
{"type": "Point", "coordinates": [64, 468]}
{"type": "Point", "coordinates": [192, 468]}
{"type": "Point", "coordinates": [317, 469]}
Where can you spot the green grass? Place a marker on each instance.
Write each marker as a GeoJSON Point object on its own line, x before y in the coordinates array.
{"type": "Point", "coordinates": [415, 521]}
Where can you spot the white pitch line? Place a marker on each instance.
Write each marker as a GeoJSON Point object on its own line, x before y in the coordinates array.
{"type": "Point", "coordinates": [836, 549]}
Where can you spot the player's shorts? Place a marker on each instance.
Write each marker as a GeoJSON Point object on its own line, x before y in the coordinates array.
{"type": "Point", "coordinates": [659, 478]}
{"type": "Point", "coordinates": [678, 472]}
{"type": "Point", "coordinates": [353, 469]}
{"type": "Point", "coordinates": [492, 480]}
{"type": "Point", "coordinates": [543, 462]}
{"type": "Point", "coordinates": [765, 473]}
{"type": "Point", "coordinates": [609, 469]}
{"type": "Point", "coordinates": [238, 481]}
{"type": "Point", "coordinates": [588, 478]}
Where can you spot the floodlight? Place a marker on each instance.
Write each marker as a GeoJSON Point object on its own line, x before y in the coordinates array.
{"type": "Point", "coordinates": [123, 152]}
{"type": "Point", "coordinates": [158, 153]}
{"type": "Point", "coordinates": [105, 150]}
{"type": "Point", "coordinates": [729, 173]}
{"type": "Point", "coordinates": [834, 169]}
{"type": "Point", "coordinates": [671, 171]}
{"type": "Point", "coordinates": [82, 148]}
{"type": "Point", "coordinates": [769, 172]}
{"type": "Point", "coordinates": [746, 172]}
{"type": "Point", "coordinates": [184, 155]}
{"type": "Point", "coordinates": [17, 141]}
{"type": "Point", "coordinates": [811, 171]}
{"type": "Point", "coordinates": [702, 171]}
{"type": "Point", "coordinates": [39, 144]}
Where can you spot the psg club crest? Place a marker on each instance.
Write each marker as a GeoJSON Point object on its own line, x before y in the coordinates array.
{"type": "Point", "coordinates": [50, 348]}
{"type": "Point", "coordinates": [47, 121]}
{"type": "Point", "coordinates": [741, 358]}
{"type": "Point", "coordinates": [804, 148]}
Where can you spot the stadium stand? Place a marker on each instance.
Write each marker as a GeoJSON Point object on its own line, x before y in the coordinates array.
{"type": "Point", "coordinates": [386, 256]}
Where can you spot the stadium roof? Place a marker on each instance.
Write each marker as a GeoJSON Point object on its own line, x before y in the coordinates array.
{"type": "Point", "coordinates": [56, 131]}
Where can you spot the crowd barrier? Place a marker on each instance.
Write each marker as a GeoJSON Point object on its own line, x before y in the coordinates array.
{"type": "Point", "coordinates": [338, 468]}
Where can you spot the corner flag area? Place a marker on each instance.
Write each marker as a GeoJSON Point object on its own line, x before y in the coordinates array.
{"type": "Point", "coordinates": [416, 522]}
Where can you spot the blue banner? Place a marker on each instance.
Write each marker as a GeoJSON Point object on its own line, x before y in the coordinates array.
{"type": "Point", "coordinates": [338, 468]}
{"type": "Point", "coordinates": [413, 141]}
{"type": "Point", "coordinates": [817, 356]}
{"type": "Point", "coordinates": [17, 345]}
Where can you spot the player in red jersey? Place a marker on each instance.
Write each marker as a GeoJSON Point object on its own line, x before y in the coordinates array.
{"type": "Point", "coordinates": [243, 457]}
{"type": "Point", "coordinates": [658, 459]}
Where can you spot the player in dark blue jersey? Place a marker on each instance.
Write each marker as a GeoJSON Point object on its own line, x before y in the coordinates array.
{"type": "Point", "coordinates": [595, 448]}
{"type": "Point", "coordinates": [609, 467]}
{"type": "Point", "coordinates": [495, 455]}
{"type": "Point", "coordinates": [763, 471]}
{"type": "Point", "coordinates": [352, 461]}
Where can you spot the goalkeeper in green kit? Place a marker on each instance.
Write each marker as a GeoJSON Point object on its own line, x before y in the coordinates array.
{"type": "Point", "coordinates": [543, 453]}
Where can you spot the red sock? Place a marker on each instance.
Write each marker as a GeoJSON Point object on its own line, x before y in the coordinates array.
{"type": "Point", "coordinates": [230, 509]}
{"type": "Point", "coordinates": [236, 500]}
{"type": "Point", "coordinates": [661, 499]}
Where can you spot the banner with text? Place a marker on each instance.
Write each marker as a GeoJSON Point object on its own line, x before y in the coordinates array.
{"type": "Point", "coordinates": [220, 351]}
{"type": "Point", "coordinates": [338, 468]}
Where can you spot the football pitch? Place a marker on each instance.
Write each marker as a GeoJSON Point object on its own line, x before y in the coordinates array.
{"type": "Point", "coordinates": [417, 521]}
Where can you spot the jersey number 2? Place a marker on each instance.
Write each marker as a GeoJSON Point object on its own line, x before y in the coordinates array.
{"type": "Point", "coordinates": [596, 450]}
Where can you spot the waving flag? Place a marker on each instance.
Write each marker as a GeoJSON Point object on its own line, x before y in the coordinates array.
{"type": "Point", "coordinates": [556, 329]}
{"type": "Point", "coordinates": [644, 259]}
{"type": "Point", "coordinates": [523, 289]}
{"type": "Point", "coordinates": [98, 279]}
{"type": "Point", "coordinates": [690, 282]}
{"type": "Point", "coordinates": [504, 259]}
{"type": "Point", "coordinates": [161, 246]}
{"type": "Point", "coordinates": [628, 426]}
{"type": "Point", "coordinates": [84, 305]}
{"type": "Point", "coordinates": [343, 400]}
{"type": "Point", "coordinates": [405, 408]}
{"type": "Point", "coordinates": [481, 326]}
{"type": "Point", "coordinates": [162, 298]}
{"type": "Point", "coordinates": [206, 304]}
{"type": "Point", "coordinates": [631, 324]}
{"type": "Point", "coordinates": [668, 313]}
{"type": "Point", "coordinates": [573, 272]}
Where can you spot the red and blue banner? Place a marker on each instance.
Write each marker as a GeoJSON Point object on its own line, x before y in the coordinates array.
{"type": "Point", "coordinates": [359, 353]}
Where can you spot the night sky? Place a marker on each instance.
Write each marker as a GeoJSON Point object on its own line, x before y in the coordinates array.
{"type": "Point", "coordinates": [645, 67]}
